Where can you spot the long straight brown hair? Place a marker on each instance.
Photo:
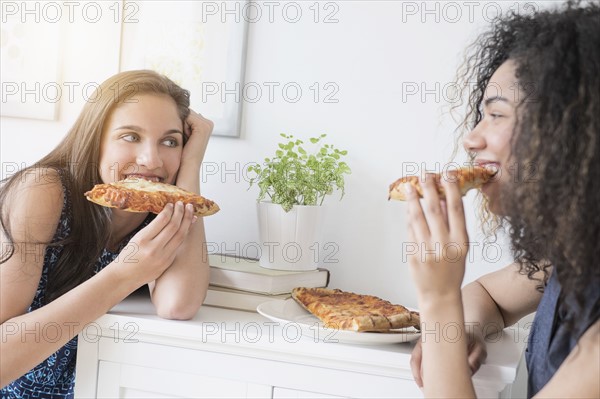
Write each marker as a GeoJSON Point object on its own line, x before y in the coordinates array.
{"type": "Point", "coordinates": [76, 159]}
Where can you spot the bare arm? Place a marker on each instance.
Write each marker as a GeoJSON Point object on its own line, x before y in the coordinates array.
{"type": "Point", "coordinates": [31, 222]}
{"type": "Point", "coordinates": [491, 303]}
{"type": "Point", "coordinates": [179, 292]}
{"type": "Point", "coordinates": [438, 279]}
{"type": "Point", "coordinates": [499, 299]}
{"type": "Point", "coordinates": [66, 317]}
{"type": "Point", "coordinates": [35, 221]}
{"type": "Point", "coordinates": [443, 365]}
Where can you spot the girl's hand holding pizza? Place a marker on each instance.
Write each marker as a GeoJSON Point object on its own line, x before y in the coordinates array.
{"type": "Point", "coordinates": [438, 231]}
{"type": "Point", "coordinates": [155, 246]}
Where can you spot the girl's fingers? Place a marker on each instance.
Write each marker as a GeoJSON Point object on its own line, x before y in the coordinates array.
{"type": "Point", "coordinates": [416, 218]}
{"type": "Point", "coordinates": [433, 211]}
{"type": "Point", "coordinates": [411, 234]}
{"type": "Point", "coordinates": [179, 236]}
{"type": "Point", "coordinates": [171, 228]}
{"type": "Point", "coordinates": [454, 207]}
{"type": "Point", "coordinates": [412, 243]}
{"type": "Point", "coordinates": [158, 224]}
{"type": "Point", "coordinates": [187, 130]}
{"type": "Point", "coordinates": [416, 360]}
{"type": "Point", "coordinates": [444, 208]}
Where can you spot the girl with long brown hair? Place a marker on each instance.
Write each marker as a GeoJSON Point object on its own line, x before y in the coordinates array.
{"type": "Point", "coordinates": [66, 261]}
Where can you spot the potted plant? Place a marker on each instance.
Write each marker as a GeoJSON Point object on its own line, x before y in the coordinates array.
{"type": "Point", "coordinates": [296, 182]}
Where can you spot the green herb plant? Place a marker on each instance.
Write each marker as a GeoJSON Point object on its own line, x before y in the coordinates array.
{"type": "Point", "coordinates": [296, 177]}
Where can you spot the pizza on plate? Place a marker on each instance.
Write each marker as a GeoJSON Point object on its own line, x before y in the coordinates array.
{"type": "Point", "coordinates": [139, 195]}
{"type": "Point", "coordinates": [467, 178]}
{"type": "Point", "coordinates": [349, 311]}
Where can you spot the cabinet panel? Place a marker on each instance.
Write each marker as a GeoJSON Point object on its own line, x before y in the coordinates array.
{"type": "Point", "coordinates": [109, 380]}
{"type": "Point", "coordinates": [284, 393]}
{"type": "Point", "coordinates": [254, 371]}
{"type": "Point", "coordinates": [128, 381]}
{"type": "Point", "coordinates": [131, 393]}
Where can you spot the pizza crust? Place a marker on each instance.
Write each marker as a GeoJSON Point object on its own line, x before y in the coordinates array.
{"type": "Point", "coordinates": [468, 178]}
{"type": "Point", "coordinates": [349, 311]}
{"type": "Point", "coordinates": [139, 195]}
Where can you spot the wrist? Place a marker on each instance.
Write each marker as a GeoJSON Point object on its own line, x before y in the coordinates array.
{"type": "Point", "coordinates": [188, 178]}
{"type": "Point", "coordinates": [190, 164]}
{"type": "Point", "coordinates": [433, 301]}
{"type": "Point", "coordinates": [122, 278]}
{"type": "Point", "coordinates": [441, 309]}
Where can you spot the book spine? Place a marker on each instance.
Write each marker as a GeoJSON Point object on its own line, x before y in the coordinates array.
{"type": "Point", "coordinates": [234, 300]}
{"type": "Point", "coordinates": [269, 285]}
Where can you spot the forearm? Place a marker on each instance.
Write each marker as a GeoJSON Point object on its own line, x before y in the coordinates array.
{"type": "Point", "coordinates": [481, 313]}
{"type": "Point", "coordinates": [446, 372]}
{"type": "Point", "coordinates": [179, 292]}
{"type": "Point", "coordinates": [188, 177]}
{"type": "Point", "coordinates": [29, 339]}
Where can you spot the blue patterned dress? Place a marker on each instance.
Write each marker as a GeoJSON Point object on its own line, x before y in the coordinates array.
{"type": "Point", "coordinates": [55, 377]}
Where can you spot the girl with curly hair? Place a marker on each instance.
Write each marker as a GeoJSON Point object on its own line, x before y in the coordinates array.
{"type": "Point", "coordinates": [66, 261]}
{"type": "Point", "coordinates": [535, 116]}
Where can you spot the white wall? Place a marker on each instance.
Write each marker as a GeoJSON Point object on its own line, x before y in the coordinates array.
{"type": "Point", "coordinates": [374, 51]}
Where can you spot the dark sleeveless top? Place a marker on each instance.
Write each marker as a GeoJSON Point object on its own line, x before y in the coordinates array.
{"type": "Point", "coordinates": [550, 341]}
{"type": "Point", "coordinates": [55, 377]}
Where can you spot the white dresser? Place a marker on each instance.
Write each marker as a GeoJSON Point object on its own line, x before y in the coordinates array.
{"type": "Point", "coordinates": [131, 353]}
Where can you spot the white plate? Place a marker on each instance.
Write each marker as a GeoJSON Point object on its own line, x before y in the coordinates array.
{"type": "Point", "coordinates": [289, 312]}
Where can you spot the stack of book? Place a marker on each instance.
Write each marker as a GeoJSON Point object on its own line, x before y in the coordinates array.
{"type": "Point", "coordinates": [240, 283]}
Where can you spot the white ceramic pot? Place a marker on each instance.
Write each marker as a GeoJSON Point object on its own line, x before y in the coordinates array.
{"type": "Point", "coordinates": [289, 240]}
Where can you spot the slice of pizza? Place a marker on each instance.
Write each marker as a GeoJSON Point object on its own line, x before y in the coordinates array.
{"type": "Point", "coordinates": [467, 178]}
{"type": "Point", "coordinates": [349, 311]}
{"type": "Point", "coordinates": [139, 195]}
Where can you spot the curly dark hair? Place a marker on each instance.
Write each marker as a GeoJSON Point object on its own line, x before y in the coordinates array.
{"type": "Point", "coordinates": [552, 205]}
